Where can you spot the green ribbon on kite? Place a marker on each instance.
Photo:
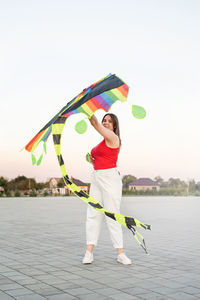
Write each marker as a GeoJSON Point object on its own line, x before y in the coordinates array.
{"type": "Point", "coordinates": [81, 127]}
{"type": "Point", "coordinates": [101, 95]}
{"type": "Point", "coordinates": [138, 112]}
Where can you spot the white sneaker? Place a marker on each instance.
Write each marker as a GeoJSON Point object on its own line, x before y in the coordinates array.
{"type": "Point", "coordinates": [88, 258]}
{"type": "Point", "coordinates": [123, 259]}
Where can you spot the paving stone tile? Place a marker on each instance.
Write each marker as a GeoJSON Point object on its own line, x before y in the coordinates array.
{"type": "Point", "coordinates": [19, 292]}
{"type": "Point", "coordinates": [173, 284]}
{"type": "Point", "coordinates": [37, 286]}
{"type": "Point", "coordinates": [153, 296]}
{"type": "Point", "coordinates": [4, 296]}
{"type": "Point", "coordinates": [31, 272]}
{"type": "Point", "coordinates": [30, 297]}
{"type": "Point", "coordinates": [27, 281]}
{"type": "Point", "coordinates": [132, 280]}
{"type": "Point", "coordinates": [106, 291]}
{"type": "Point", "coordinates": [191, 290]}
{"type": "Point", "coordinates": [120, 296]}
{"type": "Point", "coordinates": [88, 283]}
{"type": "Point", "coordinates": [10, 286]}
{"type": "Point", "coordinates": [49, 291]}
{"type": "Point", "coordinates": [79, 291]}
{"type": "Point", "coordinates": [50, 280]}
{"type": "Point", "coordinates": [93, 286]}
{"type": "Point", "coordinates": [136, 290]}
{"type": "Point", "coordinates": [163, 290]}
{"type": "Point", "coordinates": [119, 284]}
{"type": "Point", "coordinates": [70, 276]}
{"type": "Point", "coordinates": [62, 297]}
{"type": "Point", "coordinates": [92, 297]}
{"type": "Point", "coordinates": [149, 285]}
{"type": "Point", "coordinates": [6, 281]}
{"type": "Point", "coordinates": [181, 296]}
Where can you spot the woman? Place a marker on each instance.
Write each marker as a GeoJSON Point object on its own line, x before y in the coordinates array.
{"type": "Point", "coordinates": [106, 187]}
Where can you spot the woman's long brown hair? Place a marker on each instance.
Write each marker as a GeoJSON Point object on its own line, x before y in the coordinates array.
{"type": "Point", "coordinates": [115, 122]}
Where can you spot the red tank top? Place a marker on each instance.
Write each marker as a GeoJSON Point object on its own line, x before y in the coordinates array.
{"type": "Point", "coordinates": [104, 156]}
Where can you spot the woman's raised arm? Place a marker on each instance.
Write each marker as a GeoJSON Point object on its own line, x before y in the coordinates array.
{"type": "Point", "coordinates": [108, 134]}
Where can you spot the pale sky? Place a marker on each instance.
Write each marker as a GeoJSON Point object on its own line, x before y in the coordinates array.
{"type": "Point", "coordinates": [51, 50]}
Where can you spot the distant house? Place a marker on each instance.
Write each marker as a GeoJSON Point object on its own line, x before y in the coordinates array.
{"type": "Point", "coordinates": [53, 185]}
{"type": "Point", "coordinates": [143, 184]}
{"type": "Point", "coordinates": [84, 186]}
{"type": "Point", "coordinates": [59, 191]}
{"type": "Point", "coordinates": [53, 182]}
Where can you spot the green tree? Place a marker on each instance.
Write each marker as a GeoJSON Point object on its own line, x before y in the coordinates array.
{"type": "Point", "coordinates": [8, 194]}
{"type": "Point", "coordinates": [45, 194]}
{"type": "Point", "coordinates": [60, 184]}
{"type": "Point", "coordinates": [198, 186]}
{"type": "Point", "coordinates": [4, 183]}
{"type": "Point", "coordinates": [176, 183]}
{"type": "Point", "coordinates": [127, 179]}
{"type": "Point", "coordinates": [192, 187]}
{"type": "Point", "coordinates": [17, 193]}
{"type": "Point", "coordinates": [22, 183]}
{"type": "Point", "coordinates": [33, 194]}
{"type": "Point", "coordinates": [40, 185]}
{"type": "Point", "coordinates": [159, 180]}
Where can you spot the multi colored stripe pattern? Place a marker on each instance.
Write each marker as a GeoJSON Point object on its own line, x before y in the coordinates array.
{"type": "Point", "coordinates": [100, 95]}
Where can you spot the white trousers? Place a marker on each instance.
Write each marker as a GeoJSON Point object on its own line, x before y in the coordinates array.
{"type": "Point", "coordinates": [106, 188]}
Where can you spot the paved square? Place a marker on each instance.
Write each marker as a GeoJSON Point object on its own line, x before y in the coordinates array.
{"type": "Point", "coordinates": [42, 242]}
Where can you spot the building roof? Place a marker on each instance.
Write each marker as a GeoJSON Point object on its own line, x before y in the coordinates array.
{"type": "Point", "coordinates": [76, 181]}
{"type": "Point", "coordinates": [79, 182]}
{"type": "Point", "coordinates": [56, 179]}
{"type": "Point", "coordinates": [144, 182]}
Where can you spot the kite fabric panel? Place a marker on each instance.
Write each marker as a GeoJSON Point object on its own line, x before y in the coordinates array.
{"type": "Point", "coordinates": [101, 95]}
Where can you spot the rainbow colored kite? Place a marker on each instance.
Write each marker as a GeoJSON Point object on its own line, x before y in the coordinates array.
{"type": "Point", "coordinates": [100, 95]}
